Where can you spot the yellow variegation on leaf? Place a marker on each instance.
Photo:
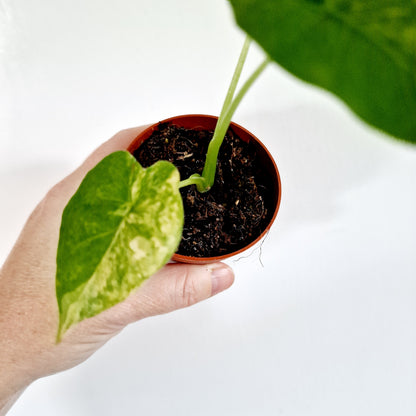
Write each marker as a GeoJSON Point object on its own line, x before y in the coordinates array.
{"type": "Point", "coordinates": [121, 226]}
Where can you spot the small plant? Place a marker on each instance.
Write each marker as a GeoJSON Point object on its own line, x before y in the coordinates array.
{"type": "Point", "coordinates": [125, 222]}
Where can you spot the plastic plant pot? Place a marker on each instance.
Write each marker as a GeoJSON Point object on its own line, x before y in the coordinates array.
{"type": "Point", "coordinates": [206, 122]}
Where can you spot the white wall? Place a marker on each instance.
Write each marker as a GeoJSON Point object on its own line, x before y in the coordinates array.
{"type": "Point", "coordinates": [328, 326]}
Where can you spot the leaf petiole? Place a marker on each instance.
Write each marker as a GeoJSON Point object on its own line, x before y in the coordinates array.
{"type": "Point", "coordinates": [194, 179]}
{"type": "Point", "coordinates": [221, 128]}
{"type": "Point", "coordinates": [205, 181]}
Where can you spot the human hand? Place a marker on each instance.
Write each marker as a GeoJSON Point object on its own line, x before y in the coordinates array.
{"type": "Point", "coordinates": [28, 307]}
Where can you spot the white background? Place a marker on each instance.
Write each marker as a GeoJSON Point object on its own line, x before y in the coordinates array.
{"type": "Point", "coordinates": [328, 326]}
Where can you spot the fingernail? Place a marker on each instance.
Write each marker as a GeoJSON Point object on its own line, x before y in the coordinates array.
{"type": "Point", "coordinates": [222, 277]}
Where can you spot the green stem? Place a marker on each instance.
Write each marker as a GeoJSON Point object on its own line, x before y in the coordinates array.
{"type": "Point", "coordinates": [210, 166]}
{"type": "Point", "coordinates": [205, 181]}
{"type": "Point", "coordinates": [243, 91]}
{"type": "Point", "coordinates": [194, 179]}
{"type": "Point", "coordinates": [234, 81]}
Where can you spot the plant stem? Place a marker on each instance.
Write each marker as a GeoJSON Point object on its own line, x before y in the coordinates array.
{"type": "Point", "coordinates": [210, 166]}
{"type": "Point", "coordinates": [205, 181]}
{"type": "Point", "coordinates": [194, 179]}
{"type": "Point", "coordinates": [234, 81]}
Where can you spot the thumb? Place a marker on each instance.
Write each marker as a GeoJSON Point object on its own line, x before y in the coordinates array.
{"type": "Point", "coordinates": [173, 287]}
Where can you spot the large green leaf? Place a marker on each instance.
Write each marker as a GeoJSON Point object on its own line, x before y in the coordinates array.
{"type": "Point", "coordinates": [120, 227]}
{"type": "Point", "coordinates": [362, 50]}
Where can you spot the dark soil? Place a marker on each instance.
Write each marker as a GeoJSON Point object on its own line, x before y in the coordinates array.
{"type": "Point", "coordinates": [230, 215]}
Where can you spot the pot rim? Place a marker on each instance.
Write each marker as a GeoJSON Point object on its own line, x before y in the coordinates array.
{"type": "Point", "coordinates": [205, 260]}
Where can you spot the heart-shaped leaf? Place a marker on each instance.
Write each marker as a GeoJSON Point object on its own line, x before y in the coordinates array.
{"type": "Point", "coordinates": [362, 50]}
{"type": "Point", "coordinates": [122, 225]}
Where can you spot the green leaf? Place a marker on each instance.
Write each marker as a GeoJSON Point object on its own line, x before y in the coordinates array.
{"type": "Point", "coordinates": [122, 225]}
{"type": "Point", "coordinates": [364, 51]}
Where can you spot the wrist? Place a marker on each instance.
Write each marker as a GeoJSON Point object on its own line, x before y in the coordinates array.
{"type": "Point", "coordinates": [12, 384]}
{"type": "Point", "coordinates": [14, 379]}
{"type": "Point", "coordinates": [7, 401]}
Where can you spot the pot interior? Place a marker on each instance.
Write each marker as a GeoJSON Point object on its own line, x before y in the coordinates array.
{"type": "Point", "coordinates": [203, 122]}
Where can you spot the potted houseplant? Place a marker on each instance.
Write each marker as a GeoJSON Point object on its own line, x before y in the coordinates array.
{"type": "Point", "coordinates": [129, 219]}
{"type": "Point", "coordinates": [244, 200]}
{"type": "Point", "coordinates": [126, 220]}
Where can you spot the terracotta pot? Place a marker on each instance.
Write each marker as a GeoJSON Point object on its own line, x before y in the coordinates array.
{"type": "Point", "coordinates": [204, 122]}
